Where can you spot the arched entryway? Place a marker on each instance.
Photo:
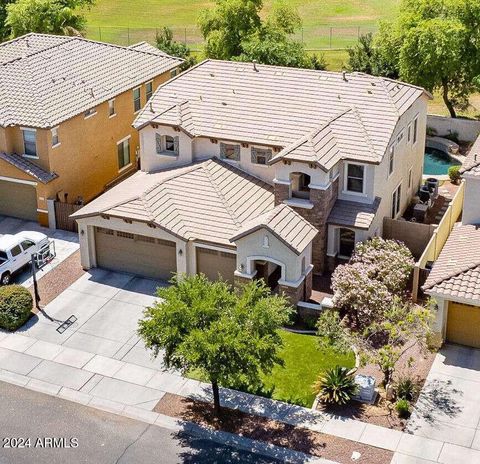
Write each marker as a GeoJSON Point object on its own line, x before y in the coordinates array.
{"type": "Point", "coordinates": [269, 272]}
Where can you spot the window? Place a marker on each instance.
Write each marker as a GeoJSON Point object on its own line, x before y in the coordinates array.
{"type": "Point", "coordinates": [137, 102]}
{"type": "Point", "coordinates": [300, 185]}
{"type": "Point", "coordinates": [400, 136]}
{"type": "Point", "coordinates": [123, 151]}
{"type": "Point", "coordinates": [410, 180]}
{"type": "Point", "coordinates": [26, 244]}
{"type": "Point", "coordinates": [166, 144]}
{"type": "Point", "coordinates": [111, 108]}
{"type": "Point", "coordinates": [391, 161]}
{"type": "Point", "coordinates": [30, 142]}
{"type": "Point", "coordinates": [396, 201]}
{"type": "Point", "coordinates": [261, 155]}
{"type": "Point", "coordinates": [415, 130]}
{"type": "Point", "coordinates": [173, 73]}
{"type": "Point", "coordinates": [346, 243]}
{"type": "Point", "coordinates": [16, 250]}
{"type": "Point", "coordinates": [90, 112]}
{"type": "Point", "coordinates": [355, 178]}
{"type": "Point", "coordinates": [55, 139]}
{"type": "Point", "coordinates": [230, 152]}
{"type": "Point", "coordinates": [149, 90]}
{"type": "Point", "coordinates": [409, 133]}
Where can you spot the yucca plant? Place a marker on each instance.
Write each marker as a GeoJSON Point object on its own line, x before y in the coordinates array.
{"type": "Point", "coordinates": [336, 386]}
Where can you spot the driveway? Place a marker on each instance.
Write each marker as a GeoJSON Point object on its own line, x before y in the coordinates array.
{"type": "Point", "coordinates": [66, 243]}
{"type": "Point", "coordinates": [449, 408]}
{"type": "Point", "coordinates": [107, 306]}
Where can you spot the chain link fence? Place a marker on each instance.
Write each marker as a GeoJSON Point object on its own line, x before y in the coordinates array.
{"type": "Point", "coordinates": [315, 38]}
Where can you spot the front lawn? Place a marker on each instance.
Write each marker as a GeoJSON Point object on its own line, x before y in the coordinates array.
{"type": "Point", "coordinates": [303, 362]}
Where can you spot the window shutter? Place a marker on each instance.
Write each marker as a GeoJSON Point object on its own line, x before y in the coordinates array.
{"type": "Point", "coordinates": [237, 152]}
{"type": "Point", "coordinates": [254, 155]}
{"type": "Point", "coordinates": [158, 142]}
{"type": "Point", "coordinates": [222, 150]}
{"type": "Point", "coordinates": [176, 142]}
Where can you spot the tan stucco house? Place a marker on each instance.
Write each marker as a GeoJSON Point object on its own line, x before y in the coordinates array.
{"type": "Point", "coordinates": [454, 281]}
{"type": "Point", "coordinates": [66, 108]}
{"type": "Point", "coordinates": [254, 171]}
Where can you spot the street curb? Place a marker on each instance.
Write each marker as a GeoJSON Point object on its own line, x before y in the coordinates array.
{"type": "Point", "coordinates": [166, 422]}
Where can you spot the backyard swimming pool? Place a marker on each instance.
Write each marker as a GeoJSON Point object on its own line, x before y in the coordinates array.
{"type": "Point", "coordinates": [437, 162]}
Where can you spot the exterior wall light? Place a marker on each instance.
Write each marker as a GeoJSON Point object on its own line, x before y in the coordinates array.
{"type": "Point", "coordinates": [82, 232]}
{"type": "Point", "coordinates": [180, 252]}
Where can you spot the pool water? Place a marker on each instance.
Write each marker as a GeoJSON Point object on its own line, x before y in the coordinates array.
{"type": "Point", "coordinates": [437, 162]}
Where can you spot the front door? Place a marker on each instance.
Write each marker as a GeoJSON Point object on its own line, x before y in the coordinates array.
{"type": "Point", "coordinates": [347, 243]}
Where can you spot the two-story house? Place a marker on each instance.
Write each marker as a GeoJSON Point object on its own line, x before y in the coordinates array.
{"type": "Point", "coordinates": [66, 109]}
{"type": "Point", "coordinates": [454, 281]}
{"type": "Point", "coordinates": [260, 171]}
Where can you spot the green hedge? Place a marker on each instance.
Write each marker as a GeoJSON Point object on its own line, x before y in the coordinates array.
{"type": "Point", "coordinates": [15, 306]}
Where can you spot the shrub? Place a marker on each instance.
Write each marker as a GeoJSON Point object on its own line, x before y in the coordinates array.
{"type": "Point", "coordinates": [336, 386]}
{"type": "Point", "coordinates": [453, 136]}
{"type": "Point", "coordinates": [406, 388]}
{"type": "Point", "coordinates": [454, 174]}
{"type": "Point", "coordinates": [15, 306]}
{"type": "Point", "coordinates": [403, 408]}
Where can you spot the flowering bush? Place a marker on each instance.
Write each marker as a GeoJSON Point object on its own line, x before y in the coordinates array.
{"type": "Point", "coordinates": [387, 261]}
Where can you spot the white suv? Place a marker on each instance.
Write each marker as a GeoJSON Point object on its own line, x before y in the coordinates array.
{"type": "Point", "coordinates": [16, 252]}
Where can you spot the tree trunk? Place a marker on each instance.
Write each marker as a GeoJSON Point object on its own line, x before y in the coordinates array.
{"type": "Point", "coordinates": [216, 398]}
{"type": "Point", "coordinates": [446, 99]}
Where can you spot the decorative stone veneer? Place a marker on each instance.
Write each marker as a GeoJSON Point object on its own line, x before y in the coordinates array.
{"type": "Point", "coordinates": [239, 281]}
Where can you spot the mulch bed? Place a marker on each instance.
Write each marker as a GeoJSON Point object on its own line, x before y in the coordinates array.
{"type": "Point", "coordinates": [271, 431]}
{"type": "Point", "coordinates": [59, 279]}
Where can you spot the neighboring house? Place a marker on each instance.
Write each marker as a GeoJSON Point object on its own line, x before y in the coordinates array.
{"type": "Point", "coordinates": [454, 281]}
{"type": "Point", "coordinates": [66, 108]}
{"type": "Point", "coordinates": [252, 170]}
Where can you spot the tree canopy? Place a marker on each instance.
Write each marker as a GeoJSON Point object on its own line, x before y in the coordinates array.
{"type": "Point", "coordinates": [166, 44]}
{"type": "Point", "coordinates": [231, 337]}
{"type": "Point", "coordinates": [432, 43]}
{"type": "Point", "coordinates": [62, 17]}
{"type": "Point", "coordinates": [4, 28]}
{"type": "Point", "coordinates": [234, 30]}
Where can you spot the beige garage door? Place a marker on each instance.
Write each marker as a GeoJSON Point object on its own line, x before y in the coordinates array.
{"type": "Point", "coordinates": [137, 254]}
{"type": "Point", "coordinates": [18, 200]}
{"type": "Point", "coordinates": [463, 324]}
{"type": "Point", "coordinates": [213, 262]}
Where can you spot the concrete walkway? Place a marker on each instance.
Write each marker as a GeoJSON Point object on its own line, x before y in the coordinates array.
{"type": "Point", "coordinates": [100, 361]}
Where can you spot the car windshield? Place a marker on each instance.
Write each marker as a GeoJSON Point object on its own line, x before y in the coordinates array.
{"type": "Point", "coordinates": [3, 257]}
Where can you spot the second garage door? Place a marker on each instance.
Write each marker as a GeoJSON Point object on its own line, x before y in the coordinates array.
{"type": "Point", "coordinates": [213, 262]}
{"type": "Point", "coordinates": [136, 254]}
{"type": "Point", "coordinates": [463, 324]}
{"type": "Point", "coordinates": [18, 200]}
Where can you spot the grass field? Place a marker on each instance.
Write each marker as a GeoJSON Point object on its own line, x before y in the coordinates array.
{"type": "Point", "coordinates": [326, 23]}
{"type": "Point", "coordinates": [303, 363]}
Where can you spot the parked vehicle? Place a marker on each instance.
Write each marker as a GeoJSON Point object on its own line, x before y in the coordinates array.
{"type": "Point", "coordinates": [16, 252]}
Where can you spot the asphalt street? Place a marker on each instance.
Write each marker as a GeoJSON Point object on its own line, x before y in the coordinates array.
{"type": "Point", "coordinates": [37, 428]}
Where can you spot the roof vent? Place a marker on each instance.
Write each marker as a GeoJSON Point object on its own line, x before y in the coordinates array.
{"type": "Point", "coordinates": [212, 75]}
{"type": "Point", "coordinates": [151, 108]}
{"type": "Point", "coordinates": [255, 66]}
{"type": "Point", "coordinates": [224, 103]}
{"type": "Point", "coordinates": [344, 76]}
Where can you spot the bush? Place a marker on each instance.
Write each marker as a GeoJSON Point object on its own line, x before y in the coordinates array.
{"type": "Point", "coordinates": [406, 388]}
{"type": "Point", "coordinates": [454, 174]}
{"type": "Point", "coordinates": [336, 386]}
{"type": "Point", "coordinates": [15, 306]}
{"type": "Point", "coordinates": [403, 408]}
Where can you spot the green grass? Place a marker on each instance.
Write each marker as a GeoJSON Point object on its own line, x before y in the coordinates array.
{"type": "Point", "coordinates": [303, 363]}
{"type": "Point", "coordinates": [108, 19]}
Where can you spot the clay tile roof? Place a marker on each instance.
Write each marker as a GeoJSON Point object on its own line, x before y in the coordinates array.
{"type": "Point", "coordinates": [353, 213]}
{"type": "Point", "coordinates": [471, 165]}
{"type": "Point", "coordinates": [208, 201]}
{"type": "Point", "coordinates": [281, 107]}
{"type": "Point", "coordinates": [47, 79]}
{"type": "Point", "coordinates": [28, 167]}
{"type": "Point", "coordinates": [283, 222]}
{"type": "Point", "coordinates": [456, 273]}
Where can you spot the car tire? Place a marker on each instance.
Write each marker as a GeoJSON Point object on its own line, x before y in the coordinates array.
{"type": "Point", "coordinates": [6, 278]}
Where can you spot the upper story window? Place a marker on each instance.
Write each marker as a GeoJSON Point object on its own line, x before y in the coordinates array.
{"type": "Point", "coordinates": [30, 142]}
{"type": "Point", "coordinates": [123, 152]}
{"type": "Point", "coordinates": [300, 185]}
{"type": "Point", "coordinates": [355, 182]}
{"type": "Point", "coordinates": [55, 138]}
{"type": "Point", "coordinates": [400, 136]}
{"type": "Point", "coordinates": [166, 144]}
{"type": "Point", "coordinates": [409, 133]}
{"type": "Point", "coordinates": [415, 130]}
{"type": "Point", "coordinates": [391, 160]}
{"type": "Point", "coordinates": [149, 90]}
{"type": "Point", "coordinates": [90, 112]}
{"type": "Point", "coordinates": [230, 152]}
{"type": "Point", "coordinates": [174, 72]}
{"type": "Point", "coordinates": [137, 101]}
{"type": "Point", "coordinates": [396, 201]}
{"type": "Point", "coordinates": [111, 108]}
{"type": "Point", "coordinates": [410, 179]}
{"type": "Point", "coordinates": [261, 155]}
